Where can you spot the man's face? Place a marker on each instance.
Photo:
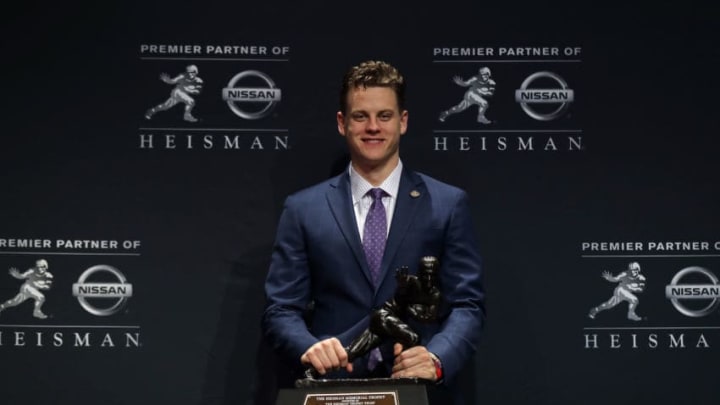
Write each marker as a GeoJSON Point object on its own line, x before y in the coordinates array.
{"type": "Point", "coordinates": [372, 126]}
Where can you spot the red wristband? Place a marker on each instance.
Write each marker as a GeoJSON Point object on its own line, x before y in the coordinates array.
{"type": "Point", "coordinates": [438, 367]}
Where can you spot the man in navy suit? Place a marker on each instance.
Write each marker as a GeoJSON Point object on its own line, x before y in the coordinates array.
{"type": "Point", "coordinates": [320, 288]}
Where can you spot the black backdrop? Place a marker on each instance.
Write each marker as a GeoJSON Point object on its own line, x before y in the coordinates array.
{"type": "Point", "coordinates": [634, 160]}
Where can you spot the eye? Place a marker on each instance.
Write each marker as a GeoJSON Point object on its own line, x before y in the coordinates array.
{"type": "Point", "coordinates": [386, 116]}
{"type": "Point", "coordinates": [358, 117]}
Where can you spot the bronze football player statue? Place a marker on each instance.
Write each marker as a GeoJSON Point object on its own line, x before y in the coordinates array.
{"type": "Point", "coordinates": [417, 297]}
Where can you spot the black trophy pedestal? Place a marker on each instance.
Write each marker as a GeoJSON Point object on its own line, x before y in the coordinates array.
{"type": "Point", "coordinates": [371, 391]}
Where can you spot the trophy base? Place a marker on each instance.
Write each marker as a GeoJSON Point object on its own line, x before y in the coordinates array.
{"type": "Point", "coordinates": [358, 382]}
{"type": "Point", "coordinates": [351, 391]}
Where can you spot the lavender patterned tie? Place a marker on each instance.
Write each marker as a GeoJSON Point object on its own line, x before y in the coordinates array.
{"type": "Point", "coordinates": [375, 233]}
{"type": "Point", "coordinates": [374, 237]}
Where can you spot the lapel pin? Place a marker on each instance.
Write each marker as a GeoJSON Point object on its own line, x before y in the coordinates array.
{"type": "Point", "coordinates": [414, 194]}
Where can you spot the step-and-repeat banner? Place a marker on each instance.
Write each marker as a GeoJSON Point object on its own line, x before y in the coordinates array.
{"type": "Point", "coordinates": [147, 151]}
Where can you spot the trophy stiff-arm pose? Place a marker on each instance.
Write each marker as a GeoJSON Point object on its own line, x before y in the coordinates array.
{"type": "Point", "coordinates": [36, 279]}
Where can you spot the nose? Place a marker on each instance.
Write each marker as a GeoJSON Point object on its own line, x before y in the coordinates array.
{"type": "Point", "coordinates": [372, 126]}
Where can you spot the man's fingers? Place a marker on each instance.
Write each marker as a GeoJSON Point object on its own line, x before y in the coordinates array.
{"type": "Point", "coordinates": [339, 355]}
{"type": "Point", "coordinates": [317, 360]}
{"type": "Point", "coordinates": [326, 355]}
{"type": "Point", "coordinates": [413, 362]}
{"type": "Point", "coordinates": [410, 358]}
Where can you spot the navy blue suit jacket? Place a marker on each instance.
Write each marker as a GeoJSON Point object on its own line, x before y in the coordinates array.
{"type": "Point", "coordinates": [318, 257]}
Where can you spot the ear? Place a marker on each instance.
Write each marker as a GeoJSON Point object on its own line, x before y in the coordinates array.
{"type": "Point", "coordinates": [403, 122]}
{"type": "Point", "coordinates": [341, 122]}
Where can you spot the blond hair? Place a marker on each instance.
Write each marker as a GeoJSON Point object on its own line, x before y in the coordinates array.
{"type": "Point", "coordinates": [373, 73]}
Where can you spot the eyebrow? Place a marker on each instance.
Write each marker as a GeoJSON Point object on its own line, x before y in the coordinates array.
{"type": "Point", "coordinates": [389, 110]}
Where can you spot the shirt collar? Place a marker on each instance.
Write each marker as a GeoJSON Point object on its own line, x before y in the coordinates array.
{"type": "Point", "coordinates": [360, 186]}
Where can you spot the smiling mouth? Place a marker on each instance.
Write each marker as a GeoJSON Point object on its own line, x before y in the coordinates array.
{"type": "Point", "coordinates": [373, 140]}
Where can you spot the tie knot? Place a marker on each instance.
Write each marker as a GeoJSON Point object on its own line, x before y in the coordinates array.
{"type": "Point", "coordinates": [376, 193]}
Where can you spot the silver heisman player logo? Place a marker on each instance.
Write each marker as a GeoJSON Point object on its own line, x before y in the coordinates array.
{"type": "Point", "coordinates": [36, 278]}
{"type": "Point", "coordinates": [187, 85]}
{"type": "Point", "coordinates": [480, 87]}
{"type": "Point", "coordinates": [629, 282]}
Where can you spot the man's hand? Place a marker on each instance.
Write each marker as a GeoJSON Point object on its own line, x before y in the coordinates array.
{"type": "Point", "coordinates": [326, 355]}
{"type": "Point", "coordinates": [413, 362]}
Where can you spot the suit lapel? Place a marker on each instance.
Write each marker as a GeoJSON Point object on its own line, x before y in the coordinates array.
{"type": "Point", "coordinates": [411, 191]}
{"type": "Point", "coordinates": [339, 199]}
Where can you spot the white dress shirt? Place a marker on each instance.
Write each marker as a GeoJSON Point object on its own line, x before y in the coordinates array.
{"type": "Point", "coordinates": [362, 201]}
